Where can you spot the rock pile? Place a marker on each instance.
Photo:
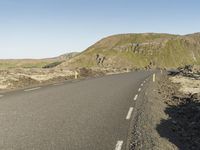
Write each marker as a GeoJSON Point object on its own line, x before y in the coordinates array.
{"type": "Point", "coordinates": [187, 71]}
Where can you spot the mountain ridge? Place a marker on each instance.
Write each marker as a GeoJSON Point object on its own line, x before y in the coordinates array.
{"type": "Point", "coordinates": [141, 50]}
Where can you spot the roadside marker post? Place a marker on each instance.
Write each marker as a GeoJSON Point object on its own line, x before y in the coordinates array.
{"type": "Point", "coordinates": [76, 75]}
{"type": "Point", "coordinates": [154, 77]}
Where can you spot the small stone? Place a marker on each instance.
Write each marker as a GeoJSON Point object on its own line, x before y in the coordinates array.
{"type": "Point", "coordinates": [174, 122]}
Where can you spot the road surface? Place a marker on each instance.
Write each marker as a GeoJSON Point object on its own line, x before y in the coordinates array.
{"type": "Point", "coordinates": [92, 114]}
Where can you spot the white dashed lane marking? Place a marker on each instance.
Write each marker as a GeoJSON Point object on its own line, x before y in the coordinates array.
{"type": "Point", "coordinates": [135, 98]}
{"type": "Point", "coordinates": [139, 89]}
{"type": "Point", "coordinates": [142, 84]}
{"type": "Point", "coordinates": [27, 90]}
{"type": "Point", "coordinates": [119, 145]}
{"type": "Point", "coordinates": [1, 96]}
{"type": "Point", "coordinates": [129, 113]}
{"type": "Point", "coordinates": [57, 84]}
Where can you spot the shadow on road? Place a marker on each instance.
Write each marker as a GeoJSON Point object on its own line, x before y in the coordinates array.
{"type": "Point", "coordinates": [183, 126]}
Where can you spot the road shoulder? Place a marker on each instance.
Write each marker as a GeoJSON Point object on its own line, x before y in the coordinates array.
{"type": "Point", "coordinates": [149, 113]}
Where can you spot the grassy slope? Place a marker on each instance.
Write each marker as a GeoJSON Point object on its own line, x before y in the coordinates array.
{"type": "Point", "coordinates": [122, 51]}
{"type": "Point", "coordinates": [164, 50]}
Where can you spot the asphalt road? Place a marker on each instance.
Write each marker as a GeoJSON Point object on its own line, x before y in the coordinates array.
{"type": "Point", "coordinates": [87, 115]}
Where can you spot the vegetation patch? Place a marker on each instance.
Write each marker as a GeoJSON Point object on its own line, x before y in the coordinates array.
{"type": "Point", "coordinates": [52, 65]}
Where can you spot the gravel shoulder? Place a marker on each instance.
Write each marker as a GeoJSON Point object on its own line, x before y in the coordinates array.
{"type": "Point", "coordinates": [145, 120]}
{"type": "Point", "coordinates": [168, 117]}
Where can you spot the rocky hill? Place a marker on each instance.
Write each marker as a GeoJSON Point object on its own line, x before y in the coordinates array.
{"type": "Point", "coordinates": [140, 51]}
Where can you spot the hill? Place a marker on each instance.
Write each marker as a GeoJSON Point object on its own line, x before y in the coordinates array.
{"type": "Point", "coordinates": [140, 50]}
{"type": "Point", "coordinates": [24, 63]}
{"type": "Point", "coordinates": [34, 63]}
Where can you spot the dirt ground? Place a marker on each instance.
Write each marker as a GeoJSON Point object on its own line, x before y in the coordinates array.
{"type": "Point", "coordinates": [26, 77]}
{"type": "Point", "coordinates": [168, 118]}
{"type": "Point", "coordinates": [18, 78]}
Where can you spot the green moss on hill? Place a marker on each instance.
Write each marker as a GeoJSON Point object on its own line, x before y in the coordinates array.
{"type": "Point", "coordinates": [139, 50]}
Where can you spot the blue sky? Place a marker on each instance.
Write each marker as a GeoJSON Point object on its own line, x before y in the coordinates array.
{"type": "Point", "coordinates": [46, 28]}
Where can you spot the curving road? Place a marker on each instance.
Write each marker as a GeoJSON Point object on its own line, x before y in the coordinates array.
{"type": "Point", "coordinates": [92, 114]}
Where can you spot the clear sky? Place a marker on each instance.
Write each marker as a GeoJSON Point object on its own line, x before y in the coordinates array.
{"type": "Point", "coordinates": [46, 28]}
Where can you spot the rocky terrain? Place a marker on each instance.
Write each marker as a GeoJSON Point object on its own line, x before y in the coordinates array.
{"type": "Point", "coordinates": [21, 78]}
{"type": "Point", "coordinates": [20, 73]}
{"type": "Point", "coordinates": [170, 114]}
{"type": "Point", "coordinates": [183, 109]}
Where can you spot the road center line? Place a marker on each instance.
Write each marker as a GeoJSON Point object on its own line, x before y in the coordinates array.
{"type": "Point", "coordinates": [129, 113]}
{"type": "Point", "coordinates": [139, 89]}
{"type": "Point", "coordinates": [27, 90]}
{"type": "Point", "coordinates": [119, 145]}
{"type": "Point", "coordinates": [135, 98]}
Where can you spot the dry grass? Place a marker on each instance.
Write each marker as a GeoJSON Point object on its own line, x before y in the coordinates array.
{"type": "Point", "coordinates": [188, 85]}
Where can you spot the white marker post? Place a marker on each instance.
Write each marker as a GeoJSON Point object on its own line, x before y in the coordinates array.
{"type": "Point", "coordinates": [127, 70]}
{"type": "Point", "coordinates": [154, 77]}
{"type": "Point", "coordinates": [33, 89]}
{"type": "Point", "coordinates": [76, 75]}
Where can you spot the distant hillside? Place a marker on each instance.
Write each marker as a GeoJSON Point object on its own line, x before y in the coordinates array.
{"type": "Point", "coordinates": [141, 50]}
{"type": "Point", "coordinates": [34, 63]}
{"type": "Point", "coordinates": [24, 63]}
